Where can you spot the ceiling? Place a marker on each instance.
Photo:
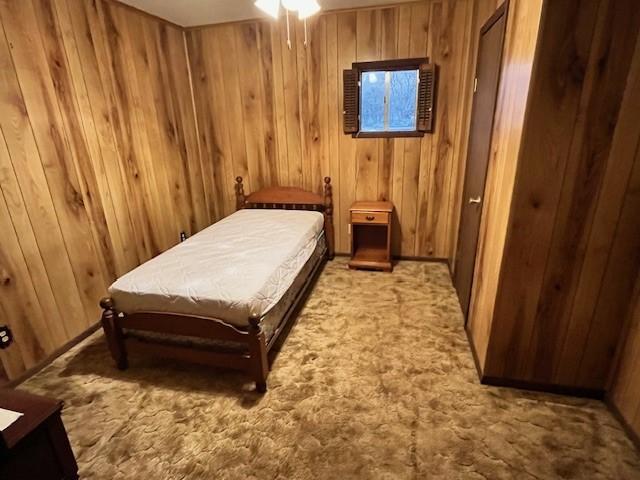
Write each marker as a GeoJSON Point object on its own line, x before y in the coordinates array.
{"type": "Point", "coordinates": [189, 13]}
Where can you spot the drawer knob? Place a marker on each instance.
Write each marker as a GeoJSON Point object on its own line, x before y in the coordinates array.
{"type": "Point", "coordinates": [370, 218]}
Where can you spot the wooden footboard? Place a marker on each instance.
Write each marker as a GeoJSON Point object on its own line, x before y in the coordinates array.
{"type": "Point", "coordinates": [251, 358]}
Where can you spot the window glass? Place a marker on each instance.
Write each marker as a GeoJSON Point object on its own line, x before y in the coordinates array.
{"type": "Point", "coordinates": [403, 100]}
{"type": "Point", "coordinates": [388, 101]}
{"type": "Point", "coordinates": [372, 98]}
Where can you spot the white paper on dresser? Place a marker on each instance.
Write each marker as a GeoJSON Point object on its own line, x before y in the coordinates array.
{"type": "Point", "coordinates": [7, 417]}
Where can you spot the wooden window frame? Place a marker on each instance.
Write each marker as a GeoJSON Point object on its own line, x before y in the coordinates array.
{"type": "Point", "coordinates": [388, 66]}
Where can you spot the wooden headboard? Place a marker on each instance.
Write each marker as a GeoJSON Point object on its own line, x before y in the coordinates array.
{"type": "Point", "coordinates": [292, 198]}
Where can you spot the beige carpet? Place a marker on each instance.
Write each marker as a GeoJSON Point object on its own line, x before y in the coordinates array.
{"type": "Point", "coordinates": [376, 381]}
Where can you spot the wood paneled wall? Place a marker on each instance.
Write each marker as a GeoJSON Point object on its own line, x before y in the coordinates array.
{"type": "Point", "coordinates": [273, 114]}
{"type": "Point", "coordinates": [573, 240]}
{"type": "Point", "coordinates": [99, 162]}
{"type": "Point", "coordinates": [518, 58]}
{"type": "Point", "coordinates": [625, 388]}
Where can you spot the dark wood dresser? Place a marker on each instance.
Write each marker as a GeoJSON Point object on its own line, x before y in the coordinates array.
{"type": "Point", "coordinates": [35, 447]}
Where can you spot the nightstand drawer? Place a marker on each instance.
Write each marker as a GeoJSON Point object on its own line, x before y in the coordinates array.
{"type": "Point", "coordinates": [370, 217]}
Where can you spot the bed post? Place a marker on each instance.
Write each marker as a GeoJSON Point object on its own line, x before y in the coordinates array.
{"type": "Point", "coordinates": [328, 217]}
{"type": "Point", "coordinates": [259, 364]}
{"type": "Point", "coordinates": [239, 194]}
{"type": "Point", "coordinates": [113, 332]}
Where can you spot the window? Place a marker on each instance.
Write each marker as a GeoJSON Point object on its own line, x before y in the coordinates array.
{"type": "Point", "coordinates": [389, 101]}
{"type": "Point", "coordinates": [392, 98]}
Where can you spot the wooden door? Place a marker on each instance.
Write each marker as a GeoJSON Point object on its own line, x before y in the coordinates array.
{"type": "Point", "coordinates": [484, 103]}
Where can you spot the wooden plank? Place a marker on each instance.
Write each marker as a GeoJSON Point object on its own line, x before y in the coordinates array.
{"type": "Point", "coordinates": [73, 126]}
{"type": "Point", "coordinates": [279, 106]}
{"type": "Point", "coordinates": [388, 51]}
{"type": "Point", "coordinates": [346, 30]}
{"type": "Point", "coordinates": [316, 125]}
{"type": "Point", "coordinates": [107, 41]}
{"type": "Point", "coordinates": [41, 107]}
{"type": "Point", "coordinates": [178, 166]}
{"type": "Point", "coordinates": [90, 45]}
{"type": "Point", "coordinates": [18, 224]}
{"type": "Point", "coordinates": [319, 47]}
{"type": "Point", "coordinates": [368, 43]}
{"type": "Point", "coordinates": [427, 30]}
{"type": "Point", "coordinates": [617, 287]}
{"type": "Point", "coordinates": [397, 170]}
{"type": "Point", "coordinates": [120, 236]}
{"type": "Point", "coordinates": [334, 116]}
{"type": "Point", "coordinates": [292, 105]}
{"type": "Point", "coordinates": [304, 119]}
{"type": "Point", "coordinates": [266, 95]}
{"type": "Point", "coordinates": [179, 80]}
{"type": "Point", "coordinates": [625, 390]}
{"type": "Point", "coordinates": [234, 105]}
{"type": "Point", "coordinates": [416, 150]}
{"type": "Point", "coordinates": [246, 41]}
{"type": "Point", "coordinates": [19, 300]}
{"type": "Point", "coordinates": [214, 136]}
{"type": "Point", "coordinates": [618, 168]}
{"type": "Point", "coordinates": [140, 74]}
{"type": "Point", "coordinates": [580, 193]}
{"type": "Point", "coordinates": [448, 50]}
{"type": "Point", "coordinates": [41, 241]}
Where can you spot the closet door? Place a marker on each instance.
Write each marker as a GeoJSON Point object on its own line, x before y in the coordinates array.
{"type": "Point", "coordinates": [485, 89]}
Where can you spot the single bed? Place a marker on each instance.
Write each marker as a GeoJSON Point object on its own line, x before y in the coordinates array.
{"type": "Point", "coordinates": [224, 296]}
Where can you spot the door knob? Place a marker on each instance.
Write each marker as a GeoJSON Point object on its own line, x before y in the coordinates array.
{"type": "Point", "coordinates": [475, 200]}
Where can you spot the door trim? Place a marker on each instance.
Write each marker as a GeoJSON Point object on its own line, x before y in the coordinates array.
{"type": "Point", "coordinates": [495, 16]}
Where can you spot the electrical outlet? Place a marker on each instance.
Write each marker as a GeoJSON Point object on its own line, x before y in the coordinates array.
{"type": "Point", "coordinates": [6, 337]}
{"type": "Point", "coordinates": [183, 236]}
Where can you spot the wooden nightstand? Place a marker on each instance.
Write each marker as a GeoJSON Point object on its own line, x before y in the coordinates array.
{"type": "Point", "coordinates": [35, 445]}
{"type": "Point", "coordinates": [371, 235]}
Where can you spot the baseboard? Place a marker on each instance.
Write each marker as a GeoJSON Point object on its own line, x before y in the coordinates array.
{"type": "Point", "coordinates": [59, 351]}
{"type": "Point", "coordinates": [408, 258]}
{"type": "Point", "coordinates": [421, 259]}
{"type": "Point", "coordinates": [597, 394]}
{"type": "Point", "coordinates": [631, 433]}
{"type": "Point", "coordinates": [474, 354]}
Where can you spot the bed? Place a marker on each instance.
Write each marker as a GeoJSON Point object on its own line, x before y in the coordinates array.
{"type": "Point", "coordinates": [225, 296]}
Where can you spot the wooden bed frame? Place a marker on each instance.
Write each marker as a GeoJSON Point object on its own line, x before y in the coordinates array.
{"type": "Point", "coordinates": [252, 356]}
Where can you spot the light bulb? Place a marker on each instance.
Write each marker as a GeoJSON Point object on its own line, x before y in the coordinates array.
{"type": "Point", "coordinates": [271, 7]}
{"type": "Point", "coordinates": [306, 8]}
{"type": "Point", "coordinates": [292, 5]}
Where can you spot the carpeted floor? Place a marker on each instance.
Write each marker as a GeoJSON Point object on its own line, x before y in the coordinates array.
{"type": "Point", "coordinates": [376, 381]}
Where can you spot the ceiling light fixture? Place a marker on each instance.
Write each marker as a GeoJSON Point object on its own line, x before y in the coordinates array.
{"type": "Point", "coordinates": [305, 9]}
{"type": "Point", "coordinates": [271, 7]}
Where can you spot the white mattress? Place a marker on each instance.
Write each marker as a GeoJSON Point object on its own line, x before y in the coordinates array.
{"type": "Point", "coordinates": [237, 267]}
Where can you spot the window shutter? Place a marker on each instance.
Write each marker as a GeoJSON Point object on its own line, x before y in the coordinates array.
{"type": "Point", "coordinates": [350, 113]}
{"type": "Point", "coordinates": [426, 97]}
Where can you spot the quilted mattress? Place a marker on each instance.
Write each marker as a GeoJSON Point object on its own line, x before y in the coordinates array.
{"type": "Point", "coordinates": [239, 266]}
